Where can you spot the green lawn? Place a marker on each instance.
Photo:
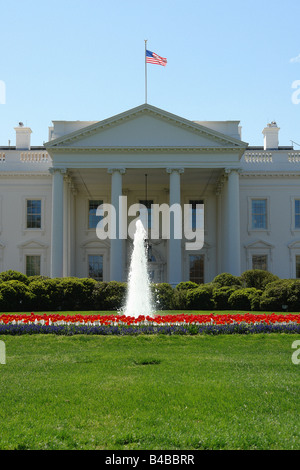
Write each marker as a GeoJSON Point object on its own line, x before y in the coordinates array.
{"type": "Point", "coordinates": [159, 312]}
{"type": "Point", "coordinates": [149, 392]}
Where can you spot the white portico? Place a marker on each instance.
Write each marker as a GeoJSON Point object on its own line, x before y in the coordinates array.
{"type": "Point", "coordinates": [184, 161]}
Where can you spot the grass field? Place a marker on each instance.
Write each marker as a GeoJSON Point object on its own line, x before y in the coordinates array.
{"type": "Point", "coordinates": [149, 392]}
{"type": "Point", "coordinates": [159, 312]}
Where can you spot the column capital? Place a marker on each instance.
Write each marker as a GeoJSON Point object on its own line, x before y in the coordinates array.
{"type": "Point", "coordinates": [53, 170]}
{"type": "Point", "coordinates": [220, 184]}
{"type": "Point", "coordinates": [113, 170]}
{"type": "Point", "coordinates": [178, 170]}
{"type": "Point", "coordinates": [231, 170]}
{"type": "Point", "coordinates": [71, 186]}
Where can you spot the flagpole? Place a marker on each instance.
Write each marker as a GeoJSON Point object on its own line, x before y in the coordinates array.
{"type": "Point", "coordinates": [145, 71]}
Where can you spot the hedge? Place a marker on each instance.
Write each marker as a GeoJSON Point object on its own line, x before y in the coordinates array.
{"type": "Point", "coordinates": [221, 296]}
{"type": "Point", "coordinates": [245, 299]}
{"type": "Point", "coordinates": [284, 292]}
{"type": "Point", "coordinates": [179, 297]}
{"type": "Point", "coordinates": [200, 298]}
{"type": "Point", "coordinates": [15, 296]}
{"type": "Point", "coordinates": [257, 278]}
{"type": "Point", "coordinates": [254, 290]}
{"type": "Point", "coordinates": [226, 279]}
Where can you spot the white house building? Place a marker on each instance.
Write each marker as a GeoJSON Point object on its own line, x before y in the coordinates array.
{"type": "Point", "coordinates": [49, 196]}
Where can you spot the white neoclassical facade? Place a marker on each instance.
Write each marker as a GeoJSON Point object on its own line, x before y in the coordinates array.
{"type": "Point", "coordinates": [49, 197]}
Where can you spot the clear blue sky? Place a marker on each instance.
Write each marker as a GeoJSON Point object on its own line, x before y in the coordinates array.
{"type": "Point", "coordinates": [84, 60]}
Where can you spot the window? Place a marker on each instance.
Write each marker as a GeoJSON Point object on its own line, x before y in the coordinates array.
{"type": "Point", "coordinates": [259, 213]}
{"type": "Point", "coordinates": [260, 262]}
{"type": "Point", "coordinates": [298, 266]}
{"type": "Point", "coordinates": [93, 218]}
{"type": "Point", "coordinates": [297, 213]}
{"type": "Point", "coordinates": [96, 267]}
{"type": "Point", "coordinates": [33, 265]}
{"type": "Point", "coordinates": [194, 204]}
{"type": "Point", "coordinates": [34, 213]}
{"type": "Point", "coordinates": [147, 203]}
{"type": "Point", "coordinates": [197, 268]}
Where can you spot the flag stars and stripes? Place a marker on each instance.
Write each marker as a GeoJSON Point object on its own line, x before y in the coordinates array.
{"type": "Point", "coordinates": [153, 58]}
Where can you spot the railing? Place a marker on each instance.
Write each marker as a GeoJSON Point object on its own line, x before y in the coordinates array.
{"type": "Point", "coordinates": [34, 157]}
{"type": "Point", "coordinates": [294, 157]}
{"type": "Point", "coordinates": [258, 157]}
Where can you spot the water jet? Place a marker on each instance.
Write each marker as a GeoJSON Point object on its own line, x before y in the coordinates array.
{"type": "Point", "coordinates": [139, 297]}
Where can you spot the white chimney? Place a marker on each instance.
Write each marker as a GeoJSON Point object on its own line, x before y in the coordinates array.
{"type": "Point", "coordinates": [23, 137]}
{"type": "Point", "coordinates": [271, 136]}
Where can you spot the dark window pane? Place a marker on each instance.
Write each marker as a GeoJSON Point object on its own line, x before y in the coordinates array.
{"type": "Point", "coordinates": [197, 268]}
{"type": "Point", "coordinates": [194, 203]}
{"type": "Point", "coordinates": [96, 267]}
{"type": "Point", "coordinates": [260, 262]}
{"type": "Point", "coordinates": [147, 203]}
{"type": "Point", "coordinates": [93, 218]}
{"type": "Point", "coordinates": [259, 213]}
{"type": "Point", "coordinates": [33, 265]}
{"type": "Point", "coordinates": [298, 266]}
{"type": "Point", "coordinates": [297, 213]}
{"type": "Point", "coordinates": [34, 213]}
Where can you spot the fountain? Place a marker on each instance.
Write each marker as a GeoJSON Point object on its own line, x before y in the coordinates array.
{"type": "Point", "coordinates": [139, 298]}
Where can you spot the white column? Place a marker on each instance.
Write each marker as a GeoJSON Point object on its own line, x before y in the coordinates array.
{"type": "Point", "coordinates": [66, 227]}
{"type": "Point", "coordinates": [218, 231]}
{"type": "Point", "coordinates": [116, 244]}
{"type": "Point", "coordinates": [57, 232]}
{"type": "Point", "coordinates": [233, 242]}
{"type": "Point", "coordinates": [69, 227]}
{"type": "Point", "coordinates": [220, 224]}
{"type": "Point", "coordinates": [72, 230]}
{"type": "Point", "coordinates": [175, 254]}
{"type": "Point", "coordinates": [224, 227]}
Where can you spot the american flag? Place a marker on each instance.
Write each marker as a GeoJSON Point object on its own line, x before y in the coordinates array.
{"type": "Point", "coordinates": [153, 58]}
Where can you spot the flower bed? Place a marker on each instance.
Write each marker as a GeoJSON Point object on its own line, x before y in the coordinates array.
{"type": "Point", "coordinates": [158, 324]}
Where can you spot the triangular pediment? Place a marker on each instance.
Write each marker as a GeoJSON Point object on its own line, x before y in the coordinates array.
{"type": "Point", "coordinates": [145, 127]}
{"type": "Point", "coordinates": [259, 244]}
{"type": "Point", "coordinates": [295, 245]}
{"type": "Point", "coordinates": [33, 244]}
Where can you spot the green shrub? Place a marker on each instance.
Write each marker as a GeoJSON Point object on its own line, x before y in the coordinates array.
{"type": "Point", "coordinates": [47, 294]}
{"type": "Point", "coordinates": [200, 298]}
{"type": "Point", "coordinates": [37, 278]}
{"type": "Point", "coordinates": [109, 295]}
{"type": "Point", "coordinates": [162, 294]}
{"type": "Point", "coordinates": [221, 296]}
{"type": "Point", "coordinates": [226, 280]}
{"type": "Point", "coordinates": [14, 296]}
{"type": "Point", "coordinates": [77, 293]}
{"type": "Point", "coordinates": [62, 293]}
{"type": "Point", "coordinates": [279, 293]}
{"type": "Point", "coordinates": [257, 278]}
{"type": "Point", "coordinates": [11, 275]}
{"type": "Point", "coordinates": [245, 299]}
{"type": "Point", "coordinates": [186, 285]}
{"type": "Point", "coordinates": [179, 298]}
{"type": "Point", "coordinates": [89, 285]}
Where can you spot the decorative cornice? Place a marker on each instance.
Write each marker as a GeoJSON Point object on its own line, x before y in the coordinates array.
{"type": "Point", "coordinates": [269, 174]}
{"type": "Point", "coordinates": [28, 174]}
{"type": "Point", "coordinates": [146, 149]}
